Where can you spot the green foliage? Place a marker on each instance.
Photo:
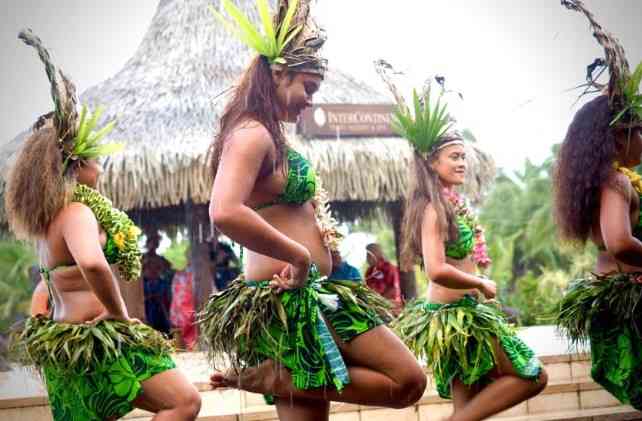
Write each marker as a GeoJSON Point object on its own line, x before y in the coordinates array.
{"type": "Point", "coordinates": [16, 259]}
{"type": "Point", "coordinates": [530, 265]}
{"type": "Point", "coordinates": [273, 42]}
{"type": "Point", "coordinates": [177, 253]}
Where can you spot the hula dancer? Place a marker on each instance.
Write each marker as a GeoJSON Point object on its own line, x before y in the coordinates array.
{"type": "Point", "coordinates": [285, 329]}
{"type": "Point", "coordinates": [475, 356]}
{"type": "Point", "coordinates": [597, 198]}
{"type": "Point", "coordinates": [97, 363]}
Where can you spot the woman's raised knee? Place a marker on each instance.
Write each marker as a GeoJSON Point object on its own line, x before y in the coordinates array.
{"type": "Point", "coordinates": [542, 381]}
{"type": "Point", "coordinates": [189, 405]}
{"type": "Point", "coordinates": [411, 388]}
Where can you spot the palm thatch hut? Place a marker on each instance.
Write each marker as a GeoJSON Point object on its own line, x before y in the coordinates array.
{"type": "Point", "coordinates": [165, 102]}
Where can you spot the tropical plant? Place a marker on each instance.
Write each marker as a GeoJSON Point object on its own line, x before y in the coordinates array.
{"type": "Point", "coordinates": [273, 42]}
{"type": "Point", "coordinates": [176, 253]}
{"type": "Point", "coordinates": [530, 265]}
{"type": "Point", "coordinates": [16, 286]}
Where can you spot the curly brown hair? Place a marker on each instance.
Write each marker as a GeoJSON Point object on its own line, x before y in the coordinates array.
{"type": "Point", "coordinates": [253, 99]}
{"type": "Point", "coordinates": [425, 189]}
{"type": "Point", "coordinates": [583, 165]}
{"type": "Point", "coordinates": [38, 187]}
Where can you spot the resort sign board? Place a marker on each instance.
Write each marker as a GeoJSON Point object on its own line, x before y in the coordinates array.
{"type": "Point", "coordinates": [346, 120]}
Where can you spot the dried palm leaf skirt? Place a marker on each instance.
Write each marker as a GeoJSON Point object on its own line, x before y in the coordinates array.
{"type": "Point", "coordinates": [92, 372]}
{"type": "Point", "coordinates": [457, 341]}
{"type": "Point", "coordinates": [248, 323]}
{"type": "Point", "coordinates": [605, 310]}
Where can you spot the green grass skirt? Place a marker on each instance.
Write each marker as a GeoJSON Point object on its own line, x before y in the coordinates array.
{"type": "Point", "coordinates": [248, 323]}
{"type": "Point", "coordinates": [456, 341]}
{"type": "Point", "coordinates": [92, 372]}
{"type": "Point", "coordinates": [606, 311]}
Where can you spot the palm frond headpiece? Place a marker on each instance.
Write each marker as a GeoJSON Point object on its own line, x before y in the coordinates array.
{"type": "Point", "coordinates": [625, 100]}
{"type": "Point", "coordinates": [291, 39]}
{"type": "Point", "coordinates": [76, 134]}
{"type": "Point", "coordinates": [426, 124]}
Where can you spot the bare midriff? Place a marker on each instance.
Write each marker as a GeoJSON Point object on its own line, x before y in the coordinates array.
{"type": "Point", "coordinates": [299, 224]}
{"type": "Point", "coordinates": [440, 294]}
{"type": "Point", "coordinates": [74, 301]}
{"type": "Point", "coordinates": [607, 263]}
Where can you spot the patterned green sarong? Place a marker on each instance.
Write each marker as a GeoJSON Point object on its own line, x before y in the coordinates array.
{"type": "Point", "coordinates": [606, 311]}
{"type": "Point", "coordinates": [92, 372]}
{"type": "Point", "coordinates": [456, 340]}
{"type": "Point", "coordinates": [248, 323]}
{"type": "Point", "coordinates": [107, 390]}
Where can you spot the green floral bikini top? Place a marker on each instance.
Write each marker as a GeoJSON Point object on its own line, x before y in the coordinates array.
{"type": "Point", "coordinates": [463, 245]}
{"type": "Point", "coordinates": [300, 185]}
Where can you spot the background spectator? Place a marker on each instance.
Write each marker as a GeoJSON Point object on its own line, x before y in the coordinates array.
{"type": "Point", "coordinates": [342, 270]}
{"type": "Point", "coordinates": [227, 266]}
{"type": "Point", "coordinates": [382, 276]}
{"type": "Point", "coordinates": [157, 284]}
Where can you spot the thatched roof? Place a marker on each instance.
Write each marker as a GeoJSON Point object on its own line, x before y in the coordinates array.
{"type": "Point", "coordinates": [164, 102]}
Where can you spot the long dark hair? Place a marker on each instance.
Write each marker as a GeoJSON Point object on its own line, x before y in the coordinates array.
{"type": "Point", "coordinates": [425, 188]}
{"type": "Point", "coordinates": [38, 186]}
{"type": "Point", "coordinates": [584, 164]}
{"type": "Point", "coordinates": [253, 99]}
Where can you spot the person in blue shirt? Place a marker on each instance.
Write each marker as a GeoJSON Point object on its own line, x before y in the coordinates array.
{"type": "Point", "coordinates": [343, 270]}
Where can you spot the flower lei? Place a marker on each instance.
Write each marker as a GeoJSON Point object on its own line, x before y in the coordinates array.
{"type": "Point", "coordinates": [325, 221]}
{"type": "Point", "coordinates": [635, 178]}
{"type": "Point", "coordinates": [480, 252]}
{"type": "Point", "coordinates": [122, 234]}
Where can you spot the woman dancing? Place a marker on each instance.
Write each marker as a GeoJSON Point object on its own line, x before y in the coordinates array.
{"type": "Point", "coordinates": [97, 363]}
{"type": "Point", "coordinates": [287, 330]}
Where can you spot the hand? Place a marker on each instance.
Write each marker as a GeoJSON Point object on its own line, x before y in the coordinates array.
{"type": "Point", "coordinates": [106, 315]}
{"type": "Point", "coordinates": [291, 277]}
{"type": "Point", "coordinates": [488, 288]}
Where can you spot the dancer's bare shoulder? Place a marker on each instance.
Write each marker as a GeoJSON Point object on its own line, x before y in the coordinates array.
{"type": "Point", "coordinates": [619, 183]}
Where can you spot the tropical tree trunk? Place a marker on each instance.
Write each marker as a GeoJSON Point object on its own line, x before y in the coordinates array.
{"type": "Point", "coordinates": [198, 226]}
{"type": "Point", "coordinates": [406, 279]}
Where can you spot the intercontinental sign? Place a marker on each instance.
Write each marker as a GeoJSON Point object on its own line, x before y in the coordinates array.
{"type": "Point", "coordinates": [338, 120]}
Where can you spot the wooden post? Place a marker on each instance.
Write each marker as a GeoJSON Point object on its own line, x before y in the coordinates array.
{"type": "Point", "coordinates": [198, 226]}
{"type": "Point", "coordinates": [406, 279]}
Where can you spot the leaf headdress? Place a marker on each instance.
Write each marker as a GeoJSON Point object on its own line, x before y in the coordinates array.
{"type": "Point", "coordinates": [427, 125]}
{"type": "Point", "coordinates": [291, 39]}
{"type": "Point", "coordinates": [625, 100]}
{"type": "Point", "coordinates": [76, 134]}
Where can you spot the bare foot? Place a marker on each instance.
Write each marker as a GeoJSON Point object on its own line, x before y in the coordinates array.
{"type": "Point", "coordinates": [266, 378]}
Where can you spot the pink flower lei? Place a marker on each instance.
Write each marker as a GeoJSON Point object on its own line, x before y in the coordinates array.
{"type": "Point", "coordinates": [480, 251]}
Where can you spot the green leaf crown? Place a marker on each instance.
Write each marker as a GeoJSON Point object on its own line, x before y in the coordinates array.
{"type": "Point", "coordinates": [427, 124]}
{"type": "Point", "coordinates": [77, 134]}
{"type": "Point", "coordinates": [272, 42]}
